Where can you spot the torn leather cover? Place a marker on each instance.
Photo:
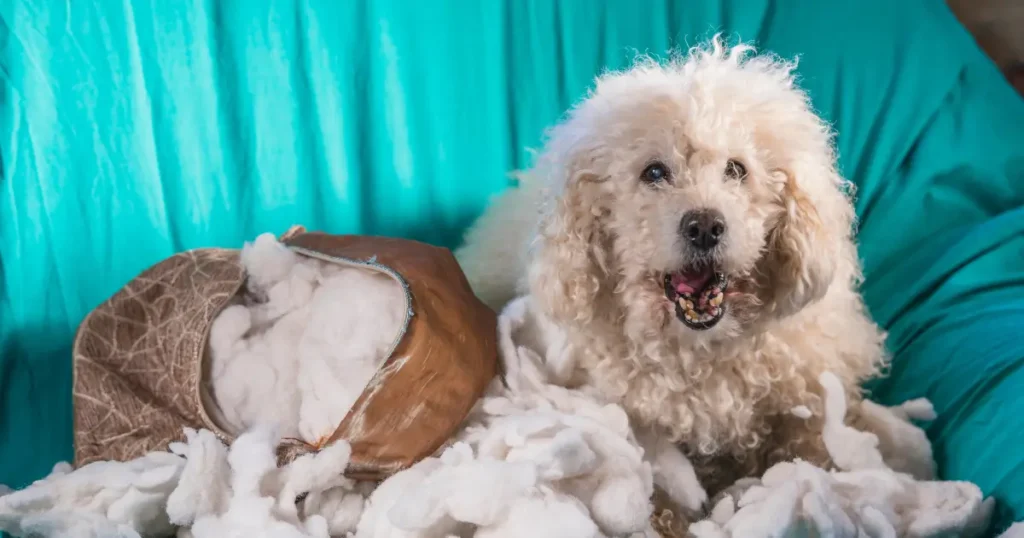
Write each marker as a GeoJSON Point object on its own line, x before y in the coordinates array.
{"type": "Point", "coordinates": [139, 357]}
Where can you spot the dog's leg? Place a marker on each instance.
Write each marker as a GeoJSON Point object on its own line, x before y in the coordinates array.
{"type": "Point", "coordinates": [788, 438]}
{"type": "Point", "coordinates": [904, 447]}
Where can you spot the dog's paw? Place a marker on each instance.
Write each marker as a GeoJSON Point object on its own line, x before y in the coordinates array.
{"type": "Point", "coordinates": [687, 492]}
{"type": "Point", "coordinates": [673, 473]}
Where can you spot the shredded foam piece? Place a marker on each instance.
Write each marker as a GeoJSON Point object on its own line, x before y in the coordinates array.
{"type": "Point", "coordinates": [101, 499]}
{"type": "Point", "coordinates": [262, 496]}
{"type": "Point", "coordinates": [801, 411]}
{"type": "Point", "coordinates": [211, 490]}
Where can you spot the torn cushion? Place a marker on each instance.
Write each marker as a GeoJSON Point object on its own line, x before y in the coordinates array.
{"type": "Point", "coordinates": [139, 358]}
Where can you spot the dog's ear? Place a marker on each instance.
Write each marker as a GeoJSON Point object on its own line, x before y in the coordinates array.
{"type": "Point", "coordinates": [811, 234]}
{"type": "Point", "coordinates": [569, 257]}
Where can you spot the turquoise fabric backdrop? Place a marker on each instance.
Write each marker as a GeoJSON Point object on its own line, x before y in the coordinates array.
{"type": "Point", "coordinates": [130, 130]}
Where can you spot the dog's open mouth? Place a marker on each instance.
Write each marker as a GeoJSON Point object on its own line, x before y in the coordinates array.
{"type": "Point", "coordinates": [699, 295]}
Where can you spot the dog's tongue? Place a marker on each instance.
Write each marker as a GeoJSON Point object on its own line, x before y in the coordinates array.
{"type": "Point", "coordinates": [691, 281]}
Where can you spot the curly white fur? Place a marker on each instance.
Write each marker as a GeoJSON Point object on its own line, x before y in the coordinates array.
{"type": "Point", "coordinates": [601, 238]}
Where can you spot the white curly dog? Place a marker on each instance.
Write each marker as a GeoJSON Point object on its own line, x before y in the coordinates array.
{"type": "Point", "coordinates": [686, 229]}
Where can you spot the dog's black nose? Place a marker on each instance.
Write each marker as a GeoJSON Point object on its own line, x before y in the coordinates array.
{"type": "Point", "coordinates": [703, 228]}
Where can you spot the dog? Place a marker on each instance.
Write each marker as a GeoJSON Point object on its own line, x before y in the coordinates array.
{"type": "Point", "coordinates": [685, 226]}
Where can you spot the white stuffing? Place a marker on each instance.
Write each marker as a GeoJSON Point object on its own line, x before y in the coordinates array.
{"type": "Point", "coordinates": [801, 411]}
{"type": "Point", "coordinates": [904, 447]}
{"type": "Point", "coordinates": [319, 326]}
{"type": "Point", "coordinates": [534, 458]}
{"type": "Point", "coordinates": [259, 498]}
{"type": "Point", "coordinates": [101, 499]}
{"type": "Point", "coordinates": [850, 449]}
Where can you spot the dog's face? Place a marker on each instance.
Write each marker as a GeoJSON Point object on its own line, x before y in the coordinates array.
{"type": "Point", "coordinates": [696, 199]}
{"type": "Point", "coordinates": [687, 211]}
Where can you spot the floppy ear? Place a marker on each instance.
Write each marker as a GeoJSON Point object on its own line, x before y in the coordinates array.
{"type": "Point", "coordinates": [568, 265]}
{"type": "Point", "coordinates": [811, 236]}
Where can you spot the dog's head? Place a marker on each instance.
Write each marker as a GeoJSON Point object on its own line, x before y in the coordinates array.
{"type": "Point", "coordinates": [698, 196]}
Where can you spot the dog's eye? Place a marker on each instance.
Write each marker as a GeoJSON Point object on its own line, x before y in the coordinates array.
{"type": "Point", "coordinates": [735, 170]}
{"type": "Point", "coordinates": [655, 173]}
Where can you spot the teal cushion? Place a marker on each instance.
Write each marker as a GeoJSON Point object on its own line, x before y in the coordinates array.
{"type": "Point", "coordinates": [133, 130]}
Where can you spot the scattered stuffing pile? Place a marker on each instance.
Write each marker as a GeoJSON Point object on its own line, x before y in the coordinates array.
{"type": "Point", "coordinates": [534, 459]}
